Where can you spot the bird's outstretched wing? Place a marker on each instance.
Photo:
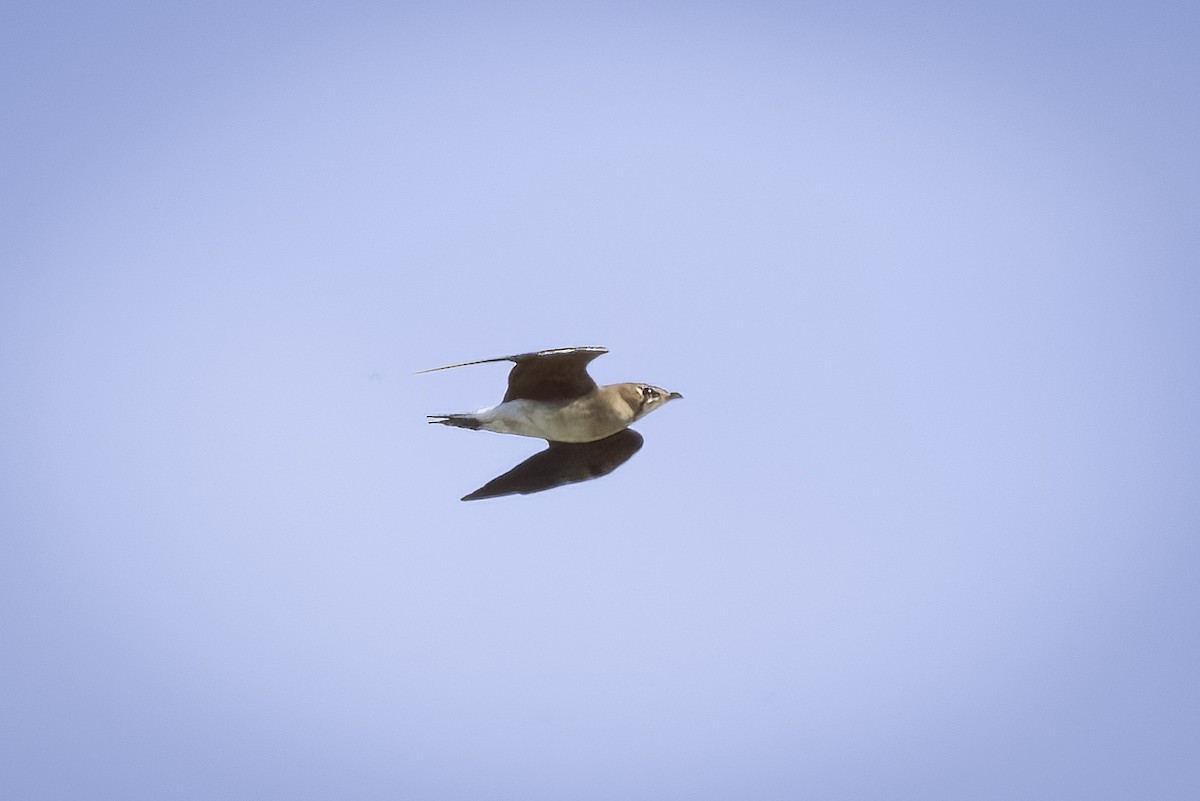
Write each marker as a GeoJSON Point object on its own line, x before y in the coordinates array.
{"type": "Point", "coordinates": [547, 375]}
{"type": "Point", "coordinates": [563, 463]}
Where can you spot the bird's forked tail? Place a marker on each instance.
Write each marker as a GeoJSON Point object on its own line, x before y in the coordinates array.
{"type": "Point", "coordinates": [456, 420]}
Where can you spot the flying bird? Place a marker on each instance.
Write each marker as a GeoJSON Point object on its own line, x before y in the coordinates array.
{"type": "Point", "coordinates": [551, 396]}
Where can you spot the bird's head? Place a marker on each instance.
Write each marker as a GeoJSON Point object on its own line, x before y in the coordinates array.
{"type": "Point", "coordinates": [650, 397]}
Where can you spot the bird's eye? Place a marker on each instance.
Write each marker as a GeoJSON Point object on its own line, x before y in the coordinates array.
{"type": "Point", "coordinates": [650, 392]}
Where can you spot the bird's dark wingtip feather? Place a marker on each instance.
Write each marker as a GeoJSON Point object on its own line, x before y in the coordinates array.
{"type": "Point", "coordinates": [517, 357]}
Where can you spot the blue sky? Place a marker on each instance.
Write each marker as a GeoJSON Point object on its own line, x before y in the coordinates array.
{"type": "Point", "coordinates": [924, 527]}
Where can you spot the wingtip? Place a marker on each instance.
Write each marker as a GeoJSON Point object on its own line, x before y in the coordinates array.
{"type": "Point", "coordinates": [597, 349]}
{"type": "Point", "coordinates": [460, 364]}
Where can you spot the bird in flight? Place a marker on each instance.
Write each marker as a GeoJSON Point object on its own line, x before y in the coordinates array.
{"type": "Point", "coordinates": [551, 396]}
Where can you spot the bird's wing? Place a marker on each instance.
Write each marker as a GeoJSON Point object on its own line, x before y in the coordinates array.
{"type": "Point", "coordinates": [563, 463]}
{"type": "Point", "coordinates": [552, 375]}
{"type": "Point", "coordinates": [547, 375]}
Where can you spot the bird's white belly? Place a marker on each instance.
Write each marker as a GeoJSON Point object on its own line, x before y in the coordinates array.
{"type": "Point", "coordinates": [557, 422]}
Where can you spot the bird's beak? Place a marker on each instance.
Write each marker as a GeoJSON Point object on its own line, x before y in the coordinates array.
{"type": "Point", "coordinates": [674, 396]}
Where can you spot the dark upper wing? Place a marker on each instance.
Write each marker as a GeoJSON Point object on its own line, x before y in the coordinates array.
{"type": "Point", "coordinates": [549, 375]}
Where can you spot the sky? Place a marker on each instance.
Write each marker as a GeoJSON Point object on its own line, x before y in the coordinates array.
{"type": "Point", "coordinates": [924, 527]}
